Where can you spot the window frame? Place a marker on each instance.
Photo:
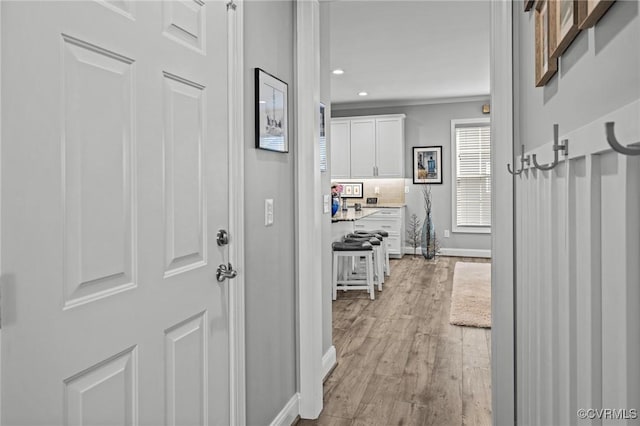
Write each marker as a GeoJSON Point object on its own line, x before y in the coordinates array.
{"type": "Point", "coordinates": [480, 121]}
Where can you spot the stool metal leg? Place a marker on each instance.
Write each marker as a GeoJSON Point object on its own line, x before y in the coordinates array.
{"type": "Point", "coordinates": [387, 266]}
{"type": "Point", "coordinates": [372, 291]}
{"type": "Point", "coordinates": [335, 275]}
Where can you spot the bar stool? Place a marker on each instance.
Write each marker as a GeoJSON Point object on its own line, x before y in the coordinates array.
{"type": "Point", "coordinates": [378, 256]}
{"type": "Point", "coordinates": [349, 250]}
{"type": "Point", "coordinates": [384, 234]}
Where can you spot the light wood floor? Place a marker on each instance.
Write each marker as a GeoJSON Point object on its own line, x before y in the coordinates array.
{"type": "Point", "coordinates": [400, 362]}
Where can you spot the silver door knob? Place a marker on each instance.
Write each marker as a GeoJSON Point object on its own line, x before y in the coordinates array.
{"type": "Point", "coordinates": [222, 237]}
{"type": "Point", "coordinates": [225, 271]}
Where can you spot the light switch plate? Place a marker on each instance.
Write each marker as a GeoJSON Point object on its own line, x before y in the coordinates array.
{"type": "Point", "coordinates": [406, 189]}
{"type": "Point", "coordinates": [268, 212]}
{"type": "Point", "coordinates": [326, 203]}
{"type": "Point", "coordinates": [446, 233]}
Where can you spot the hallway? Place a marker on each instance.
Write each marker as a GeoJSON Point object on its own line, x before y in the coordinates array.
{"type": "Point", "coordinates": [399, 359]}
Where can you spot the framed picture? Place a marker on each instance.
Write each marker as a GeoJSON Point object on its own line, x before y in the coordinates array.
{"type": "Point", "coordinates": [563, 16]}
{"type": "Point", "coordinates": [528, 4]}
{"type": "Point", "coordinates": [546, 66]}
{"type": "Point", "coordinates": [272, 124]}
{"type": "Point", "coordinates": [427, 164]}
{"type": "Point", "coordinates": [590, 12]}
{"type": "Point", "coordinates": [323, 141]}
{"type": "Point", "coordinates": [351, 190]}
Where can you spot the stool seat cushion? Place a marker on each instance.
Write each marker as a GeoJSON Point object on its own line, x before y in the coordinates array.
{"type": "Point", "coordinates": [373, 241]}
{"type": "Point", "coordinates": [377, 236]}
{"type": "Point", "coordinates": [352, 246]}
{"type": "Point", "coordinates": [380, 232]}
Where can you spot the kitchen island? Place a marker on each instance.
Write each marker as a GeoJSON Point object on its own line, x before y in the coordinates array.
{"type": "Point", "coordinates": [351, 214]}
{"type": "Point", "coordinates": [388, 217]}
{"type": "Point", "coordinates": [343, 222]}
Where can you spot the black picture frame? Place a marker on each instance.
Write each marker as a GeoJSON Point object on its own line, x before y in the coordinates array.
{"type": "Point", "coordinates": [427, 165]}
{"type": "Point", "coordinates": [352, 190]}
{"type": "Point", "coordinates": [271, 112]}
{"type": "Point", "coordinates": [323, 140]}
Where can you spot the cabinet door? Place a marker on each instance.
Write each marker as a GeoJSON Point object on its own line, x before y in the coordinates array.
{"type": "Point", "coordinates": [390, 147]}
{"type": "Point", "coordinates": [363, 139]}
{"type": "Point", "coordinates": [340, 150]}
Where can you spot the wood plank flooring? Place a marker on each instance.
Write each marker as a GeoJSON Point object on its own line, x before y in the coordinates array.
{"type": "Point", "coordinates": [400, 362]}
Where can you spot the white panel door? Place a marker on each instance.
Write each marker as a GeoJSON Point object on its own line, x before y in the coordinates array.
{"type": "Point", "coordinates": [390, 147]}
{"type": "Point", "coordinates": [340, 149]}
{"type": "Point", "coordinates": [114, 183]}
{"type": "Point", "coordinates": [363, 140]}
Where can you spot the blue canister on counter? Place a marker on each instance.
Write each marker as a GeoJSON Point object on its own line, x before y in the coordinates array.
{"type": "Point", "coordinates": [335, 205]}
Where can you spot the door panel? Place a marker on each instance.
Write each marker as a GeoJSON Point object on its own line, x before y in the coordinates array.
{"type": "Point", "coordinates": [185, 221]}
{"type": "Point", "coordinates": [114, 183]}
{"type": "Point", "coordinates": [97, 144]}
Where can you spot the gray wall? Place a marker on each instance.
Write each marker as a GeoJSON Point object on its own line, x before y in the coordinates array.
{"type": "Point", "coordinates": [269, 269]}
{"type": "Point", "coordinates": [597, 74]}
{"type": "Point", "coordinates": [428, 125]}
{"type": "Point", "coordinates": [325, 98]}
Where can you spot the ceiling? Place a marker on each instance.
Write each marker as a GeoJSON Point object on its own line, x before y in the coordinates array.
{"type": "Point", "coordinates": [409, 51]}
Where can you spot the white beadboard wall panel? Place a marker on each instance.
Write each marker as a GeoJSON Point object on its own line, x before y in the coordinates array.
{"type": "Point", "coordinates": [620, 281]}
{"type": "Point", "coordinates": [578, 271]}
{"type": "Point", "coordinates": [561, 321]}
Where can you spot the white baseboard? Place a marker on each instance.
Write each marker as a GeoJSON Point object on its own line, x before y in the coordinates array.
{"type": "Point", "coordinates": [464, 252]}
{"type": "Point", "coordinates": [289, 413]}
{"type": "Point", "coordinates": [455, 252]}
{"type": "Point", "coordinates": [328, 361]}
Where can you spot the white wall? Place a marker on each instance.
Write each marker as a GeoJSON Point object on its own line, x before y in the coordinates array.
{"type": "Point", "coordinates": [598, 73]}
{"type": "Point", "coordinates": [270, 291]}
{"type": "Point", "coordinates": [428, 125]}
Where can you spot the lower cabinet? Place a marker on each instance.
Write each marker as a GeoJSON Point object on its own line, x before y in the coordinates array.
{"type": "Point", "coordinates": [390, 220]}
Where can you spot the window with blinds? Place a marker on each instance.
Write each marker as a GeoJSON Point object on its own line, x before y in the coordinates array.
{"type": "Point", "coordinates": [472, 163]}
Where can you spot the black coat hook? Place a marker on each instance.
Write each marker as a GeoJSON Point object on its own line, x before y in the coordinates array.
{"type": "Point", "coordinates": [613, 141]}
{"type": "Point", "coordinates": [556, 147]}
{"type": "Point", "coordinates": [523, 160]}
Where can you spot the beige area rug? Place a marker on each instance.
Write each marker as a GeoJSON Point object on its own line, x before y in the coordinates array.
{"type": "Point", "coordinates": [471, 295]}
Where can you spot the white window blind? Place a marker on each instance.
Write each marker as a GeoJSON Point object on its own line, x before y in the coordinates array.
{"type": "Point", "coordinates": [473, 175]}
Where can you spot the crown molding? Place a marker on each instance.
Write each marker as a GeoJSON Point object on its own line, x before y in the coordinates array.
{"type": "Point", "coordinates": [341, 106]}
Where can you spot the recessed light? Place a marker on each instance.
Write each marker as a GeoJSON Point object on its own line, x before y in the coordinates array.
{"type": "Point", "coordinates": [262, 102]}
{"type": "Point", "coordinates": [338, 71]}
{"type": "Point", "coordinates": [362, 94]}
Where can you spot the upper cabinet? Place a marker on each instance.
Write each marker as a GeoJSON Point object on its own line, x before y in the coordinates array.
{"type": "Point", "coordinates": [340, 151]}
{"type": "Point", "coordinates": [367, 147]}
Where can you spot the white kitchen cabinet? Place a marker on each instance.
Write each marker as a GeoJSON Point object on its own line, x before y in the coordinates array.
{"type": "Point", "coordinates": [390, 220]}
{"type": "Point", "coordinates": [363, 148]}
{"type": "Point", "coordinates": [340, 149]}
{"type": "Point", "coordinates": [375, 146]}
{"type": "Point", "coordinates": [390, 147]}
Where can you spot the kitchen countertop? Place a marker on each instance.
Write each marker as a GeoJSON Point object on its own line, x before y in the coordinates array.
{"type": "Point", "coordinates": [351, 214]}
{"type": "Point", "coordinates": [383, 206]}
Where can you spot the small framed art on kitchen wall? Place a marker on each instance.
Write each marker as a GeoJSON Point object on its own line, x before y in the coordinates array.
{"type": "Point", "coordinates": [427, 164]}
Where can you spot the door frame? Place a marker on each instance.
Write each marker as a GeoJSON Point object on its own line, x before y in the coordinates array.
{"type": "Point", "coordinates": [235, 99]}
{"type": "Point", "coordinates": [503, 279]}
{"type": "Point", "coordinates": [308, 208]}
{"type": "Point", "coordinates": [309, 193]}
